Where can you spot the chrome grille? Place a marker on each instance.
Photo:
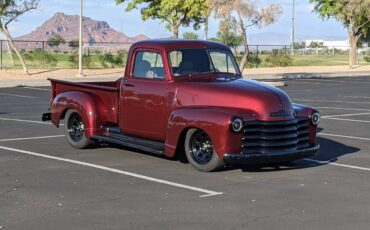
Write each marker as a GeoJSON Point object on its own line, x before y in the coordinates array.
{"type": "Point", "coordinates": [275, 136]}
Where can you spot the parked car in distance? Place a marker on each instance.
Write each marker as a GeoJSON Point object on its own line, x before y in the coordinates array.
{"type": "Point", "coordinates": [186, 97]}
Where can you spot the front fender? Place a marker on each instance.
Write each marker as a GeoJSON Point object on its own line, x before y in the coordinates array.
{"type": "Point", "coordinates": [215, 122]}
{"type": "Point", "coordinates": [84, 103]}
{"type": "Point", "coordinates": [306, 111]}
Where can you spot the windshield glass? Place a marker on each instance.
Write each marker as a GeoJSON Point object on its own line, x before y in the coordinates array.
{"type": "Point", "coordinates": [186, 62]}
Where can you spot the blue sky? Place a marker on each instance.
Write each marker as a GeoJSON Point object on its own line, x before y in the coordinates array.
{"type": "Point", "coordinates": [307, 22]}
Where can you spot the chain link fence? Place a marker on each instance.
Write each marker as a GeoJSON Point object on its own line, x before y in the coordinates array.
{"type": "Point", "coordinates": [282, 55]}
{"type": "Point", "coordinates": [42, 55]}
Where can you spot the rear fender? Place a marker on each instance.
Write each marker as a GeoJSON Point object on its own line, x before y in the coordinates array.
{"type": "Point", "coordinates": [84, 103]}
{"type": "Point", "coordinates": [215, 122]}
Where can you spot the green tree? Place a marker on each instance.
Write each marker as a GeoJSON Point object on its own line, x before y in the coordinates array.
{"type": "Point", "coordinates": [243, 14]}
{"type": "Point", "coordinates": [190, 35]}
{"type": "Point", "coordinates": [354, 14]}
{"type": "Point", "coordinates": [230, 38]}
{"type": "Point", "coordinates": [10, 10]}
{"type": "Point", "coordinates": [175, 13]}
{"type": "Point", "coordinates": [299, 45]}
{"type": "Point", "coordinates": [314, 44]}
{"type": "Point", "coordinates": [74, 43]}
{"type": "Point", "coordinates": [214, 39]}
{"type": "Point", "coordinates": [56, 40]}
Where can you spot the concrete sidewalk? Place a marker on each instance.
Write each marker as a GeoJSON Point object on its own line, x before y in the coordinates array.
{"type": "Point", "coordinates": [272, 76]}
{"type": "Point", "coordinates": [281, 73]}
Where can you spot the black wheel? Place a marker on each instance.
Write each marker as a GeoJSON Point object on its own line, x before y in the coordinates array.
{"type": "Point", "coordinates": [200, 151]}
{"type": "Point", "coordinates": [74, 129]}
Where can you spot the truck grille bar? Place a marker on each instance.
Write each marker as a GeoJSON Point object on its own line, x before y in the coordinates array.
{"type": "Point", "coordinates": [262, 137]}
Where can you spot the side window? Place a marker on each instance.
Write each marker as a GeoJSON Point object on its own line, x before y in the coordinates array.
{"type": "Point", "coordinates": [175, 58]}
{"type": "Point", "coordinates": [222, 62]}
{"type": "Point", "coordinates": [148, 65]}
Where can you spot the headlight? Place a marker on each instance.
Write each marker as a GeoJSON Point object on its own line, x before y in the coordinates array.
{"type": "Point", "coordinates": [236, 124]}
{"type": "Point", "coordinates": [315, 118]}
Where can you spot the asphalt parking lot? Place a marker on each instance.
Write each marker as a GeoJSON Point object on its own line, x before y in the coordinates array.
{"type": "Point", "coordinates": [46, 184]}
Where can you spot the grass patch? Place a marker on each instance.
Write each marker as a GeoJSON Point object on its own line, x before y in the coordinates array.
{"type": "Point", "coordinates": [41, 60]}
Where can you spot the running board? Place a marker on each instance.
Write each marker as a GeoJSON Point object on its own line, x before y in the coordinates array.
{"type": "Point", "coordinates": [115, 136]}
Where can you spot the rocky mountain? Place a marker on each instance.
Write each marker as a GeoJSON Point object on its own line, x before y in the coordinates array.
{"type": "Point", "coordinates": [68, 27]}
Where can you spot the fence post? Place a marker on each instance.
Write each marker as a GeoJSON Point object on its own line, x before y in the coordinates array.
{"type": "Point", "coordinates": [43, 55]}
{"type": "Point", "coordinates": [1, 54]}
{"type": "Point", "coordinates": [257, 58]}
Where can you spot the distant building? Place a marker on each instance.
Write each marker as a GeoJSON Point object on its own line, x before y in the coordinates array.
{"type": "Point", "coordinates": [340, 45]}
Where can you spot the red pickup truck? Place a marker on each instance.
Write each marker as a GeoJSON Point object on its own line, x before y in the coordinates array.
{"type": "Point", "coordinates": [186, 97]}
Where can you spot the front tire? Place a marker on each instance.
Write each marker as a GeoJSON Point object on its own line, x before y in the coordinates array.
{"type": "Point", "coordinates": [200, 152]}
{"type": "Point", "coordinates": [74, 129]}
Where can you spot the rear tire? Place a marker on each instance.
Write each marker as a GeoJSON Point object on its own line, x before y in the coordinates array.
{"type": "Point", "coordinates": [200, 152]}
{"type": "Point", "coordinates": [74, 129]}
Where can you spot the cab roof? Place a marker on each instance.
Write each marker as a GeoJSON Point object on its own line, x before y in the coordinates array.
{"type": "Point", "coordinates": [173, 44]}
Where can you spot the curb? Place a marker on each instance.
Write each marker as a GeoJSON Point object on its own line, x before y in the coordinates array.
{"type": "Point", "coordinates": [291, 76]}
{"type": "Point", "coordinates": [275, 83]}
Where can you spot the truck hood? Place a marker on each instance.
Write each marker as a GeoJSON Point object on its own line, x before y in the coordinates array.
{"type": "Point", "coordinates": [241, 96]}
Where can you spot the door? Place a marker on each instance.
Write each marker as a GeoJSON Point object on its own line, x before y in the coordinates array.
{"type": "Point", "coordinates": [143, 97]}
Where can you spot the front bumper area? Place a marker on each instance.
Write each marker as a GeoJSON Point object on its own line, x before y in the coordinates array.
{"type": "Point", "coordinates": [262, 158]}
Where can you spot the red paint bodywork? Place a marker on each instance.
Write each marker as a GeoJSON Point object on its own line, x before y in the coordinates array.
{"type": "Point", "coordinates": [164, 109]}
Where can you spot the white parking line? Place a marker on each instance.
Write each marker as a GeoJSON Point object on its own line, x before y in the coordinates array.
{"type": "Point", "coordinates": [338, 164]}
{"type": "Point", "coordinates": [31, 138]}
{"type": "Point", "coordinates": [299, 90]}
{"type": "Point", "coordinates": [35, 88]}
{"type": "Point", "coordinates": [25, 103]}
{"type": "Point", "coordinates": [27, 121]}
{"type": "Point", "coordinates": [338, 108]}
{"type": "Point", "coordinates": [345, 115]}
{"type": "Point", "coordinates": [351, 102]}
{"type": "Point", "coordinates": [342, 119]}
{"type": "Point", "coordinates": [358, 97]}
{"type": "Point", "coordinates": [16, 95]}
{"type": "Point", "coordinates": [343, 136]}
{"type": "Point", "coordinates": [335, 81]}
{"type": "Point", "coordinates": [205, 192]}
{"type": "Point", "coordinates": [303, 82]}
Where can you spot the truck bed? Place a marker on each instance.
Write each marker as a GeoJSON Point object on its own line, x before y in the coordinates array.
{"type": "Point", "coordinates": [105, 94]}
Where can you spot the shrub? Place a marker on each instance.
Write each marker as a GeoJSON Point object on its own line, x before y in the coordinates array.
{"type": "Point", "coordinates": [279, 59]}
{"type": "Point", "coordinates": [110, 60]}
{"type": "Point", "coordinates": [367, 58]}
{"type": "Point", "coordinates": [40, 57]}
{"type": "Point", "coordinates": [86, 61]}
{"type": "Point", "coordinates": [253, 60]}
{"type": "Point", "coordinates": [49, 59]}
{"type": "Point", "coordinates": [74, 43]}
{"type": "Point", "coordinates": [73, 59]}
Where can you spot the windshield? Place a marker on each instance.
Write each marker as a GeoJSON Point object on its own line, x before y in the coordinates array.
{"type": "Point", "coordinates": [186, 62]}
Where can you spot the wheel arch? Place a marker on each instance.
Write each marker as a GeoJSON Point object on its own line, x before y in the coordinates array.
{"type": "Point", "coordinates": [213, 121]}
{"type": "Point", "coordinates": [83, 103]}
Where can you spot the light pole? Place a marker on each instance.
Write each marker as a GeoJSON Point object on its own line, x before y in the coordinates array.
{"type": "Point", "coordinates": [80, 55]}
{"type": "Point", "coordinates": [292, 32]}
